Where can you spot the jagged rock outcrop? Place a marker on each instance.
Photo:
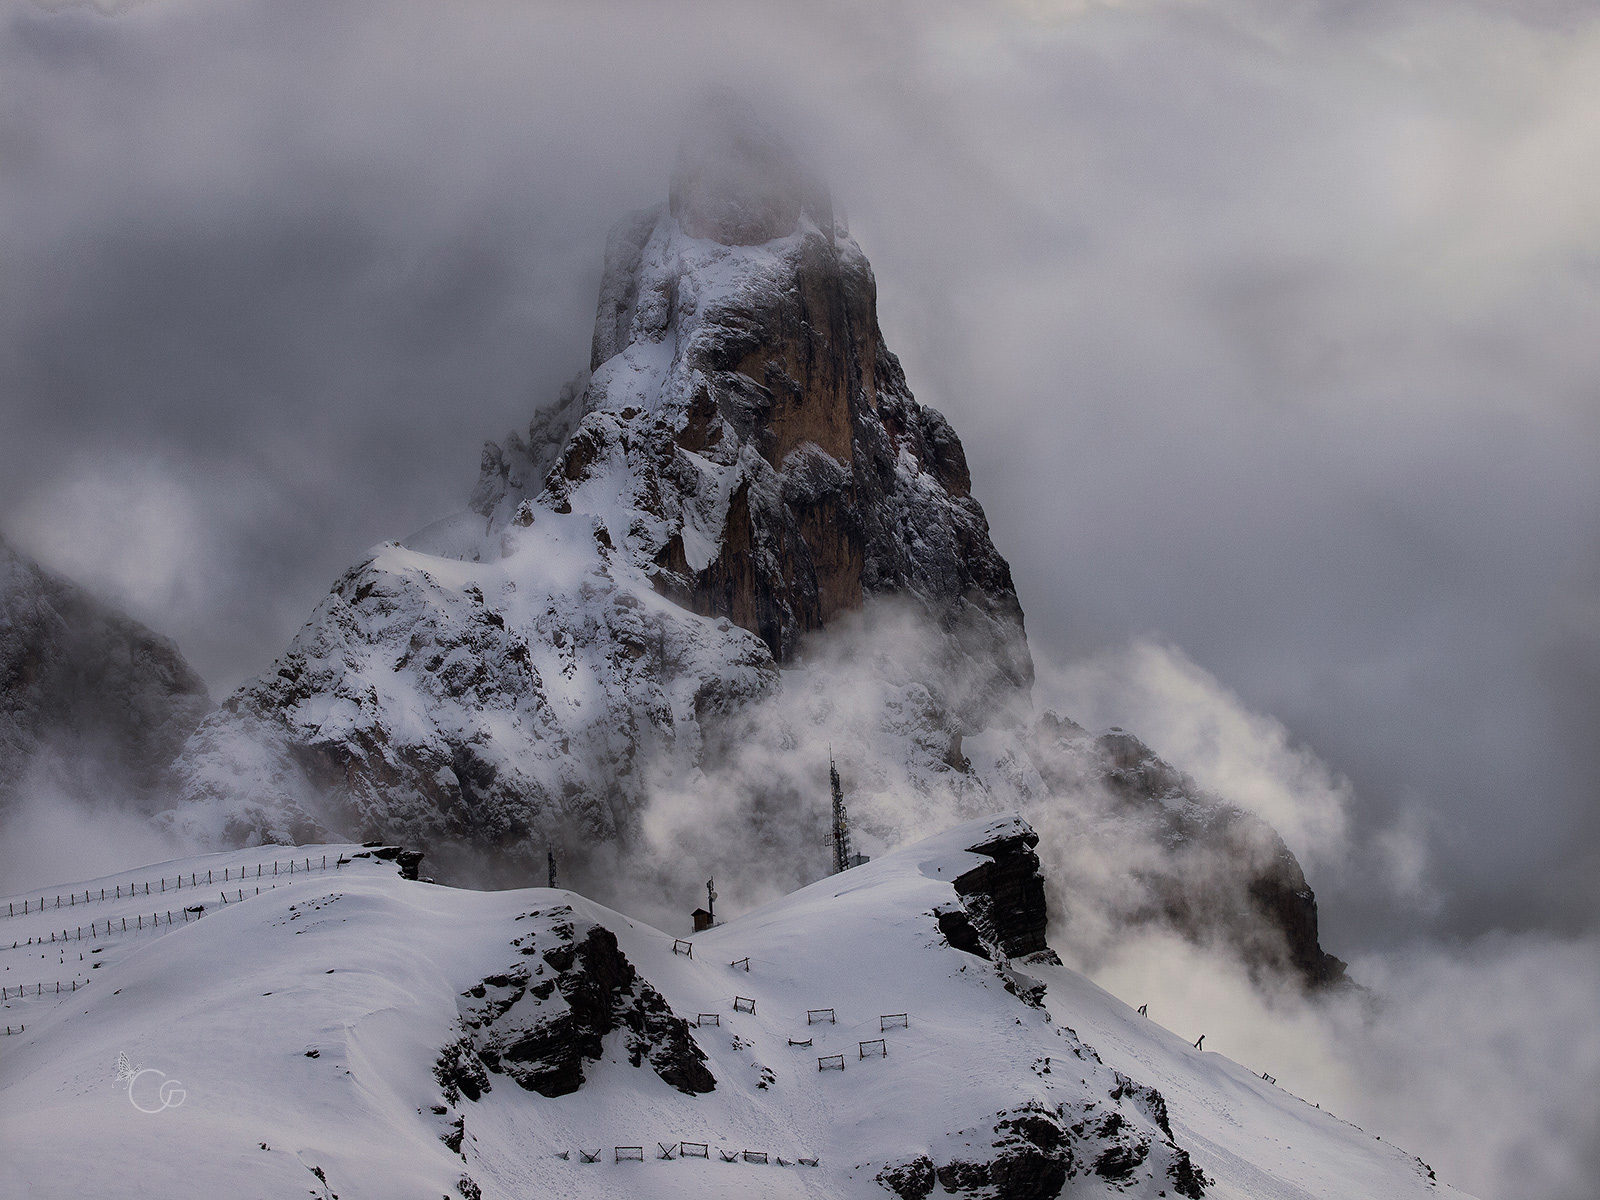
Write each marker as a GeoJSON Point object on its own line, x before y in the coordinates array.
{"type": "Point", "coordinates": [748, 436]}
{"type": "Point", "coordinates": [409, 861]}
{"type": "Point", "coordinates": [1001, 912]}
{"type": "Point", "coordinates": [1037, 1149]}
{"type": "Point", "coordinates": [1203, 867]}
{"type": "Point", "coordinates": [1005, 896]}
{"type": "Point", "coordinates": [477, 710]}
{"type": "Point", "coordinates": [538, 1021]}
{"type": "Point", "coordinates": [105, 700]}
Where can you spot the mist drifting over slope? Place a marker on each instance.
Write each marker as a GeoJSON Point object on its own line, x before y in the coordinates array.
{"type": "Point", "coordinates": [1268, 330]}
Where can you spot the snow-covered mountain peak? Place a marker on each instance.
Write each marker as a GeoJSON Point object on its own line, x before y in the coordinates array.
{"type": "Point", "coordinates": [733, 541]}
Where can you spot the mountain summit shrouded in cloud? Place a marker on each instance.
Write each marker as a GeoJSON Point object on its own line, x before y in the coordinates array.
{"type": "Point", "coordinates": [734, 547]}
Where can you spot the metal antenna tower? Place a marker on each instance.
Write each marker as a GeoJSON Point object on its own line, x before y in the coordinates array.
{"type": "Point", "coordinates": [841, 822]}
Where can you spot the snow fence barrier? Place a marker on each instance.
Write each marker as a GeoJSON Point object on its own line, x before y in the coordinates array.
{"type": "Point", "coordinates": [142, 887]}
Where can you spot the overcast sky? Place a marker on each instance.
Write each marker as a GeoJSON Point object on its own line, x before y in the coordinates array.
{"type": "Point", "coordinates": [1270, 329]}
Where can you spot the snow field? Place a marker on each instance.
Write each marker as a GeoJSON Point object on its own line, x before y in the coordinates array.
{"type": "Point", "coordinates": [366, 971]}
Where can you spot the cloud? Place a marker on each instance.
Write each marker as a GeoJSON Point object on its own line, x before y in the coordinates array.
{"type": "Point", "coordinates": [71, 820]}
{"type": "Point", "coordinates": [1482, 1058]}
{"type": "Point", "coordinates": [1202, 728]}
{"type": "Point", "coordinates": [124, 528]}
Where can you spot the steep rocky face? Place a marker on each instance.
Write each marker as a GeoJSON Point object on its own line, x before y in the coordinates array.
{"type": "Point", "coordinates": [1003, 905]}
{"type": "Point", "coordinates": [539, 1020]}
{"type": "Point", "coordinates": [746, 434]}
{"type": "Point", "coordinates": [104, 697]}
{"type": "Point", "coordinates": [1199, 865]}
{"type": "Point", "coordinates": [743, 456]}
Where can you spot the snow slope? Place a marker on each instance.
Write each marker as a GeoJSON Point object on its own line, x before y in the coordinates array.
{"type": "Point", "coordinates": [303, 1025]}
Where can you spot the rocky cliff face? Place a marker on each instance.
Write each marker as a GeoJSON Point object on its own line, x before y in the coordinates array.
{"type": "Point", "coordinates": [1195, 863]}
{"type": "Point", "coordinates": [482, 710]}
{"type": "Point", "coordinates": [106, 701]}
{"type": "Point", "coordinates": [1003, 908]}
{"type": "Point", "coordinates": [748, 438]}
{"type": "Point", "coordinates": [539, 1020]}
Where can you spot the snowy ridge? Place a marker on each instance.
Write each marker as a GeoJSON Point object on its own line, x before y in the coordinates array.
{"type": "Point", "coordinates": [469, 704]}
{"type": "Point", "coordinates": [353, 982]}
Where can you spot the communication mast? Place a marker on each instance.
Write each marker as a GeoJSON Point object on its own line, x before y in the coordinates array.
{"type": "Point", "coordinates": [841, 823]}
